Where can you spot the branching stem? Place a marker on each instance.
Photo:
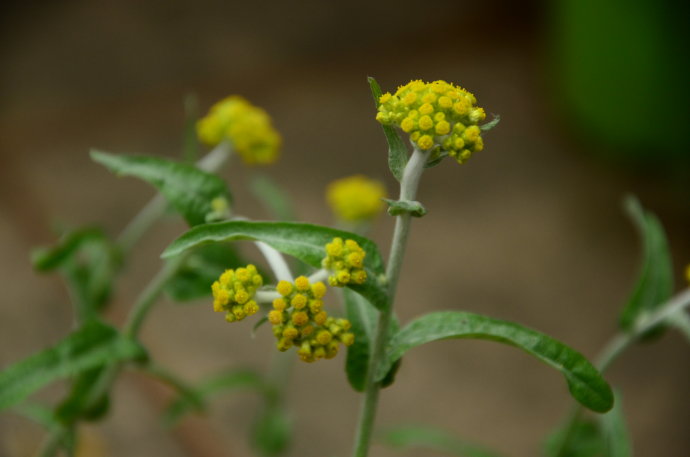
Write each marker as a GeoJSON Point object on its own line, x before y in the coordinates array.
{"type": "Point", "coordinates": [408, 191]}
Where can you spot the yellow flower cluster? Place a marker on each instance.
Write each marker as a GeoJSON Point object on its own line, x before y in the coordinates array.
{"type": "Point", "coordinates": [355, 198]}
{"type": "Point", "coordinates": [687, 273]}
{"type": "Point", "coordinates": [437, 114]}
{"type": "Point", "coordinates": [234, 291]}
{"type": "Point", "coordinates": [246, 126]}
{"type": "Point", "coordinates": [346, 260]}
{"type": "Point", "coordinates": [299, 320]}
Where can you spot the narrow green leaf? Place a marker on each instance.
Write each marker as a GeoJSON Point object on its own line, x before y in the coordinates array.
{"type": "Point", "coordinates": [491, 124]}
{"type": "Point", "coordinates": [396, 207]}
{"type": "Point", "coordinates": [89, 261]}
{"type": "Point", "coordinates": [435, 158]}
{"type": "Point", "coordinates": [397, 152]}
{"type": "Point", "coordinates": [615, 432]}
{"type": "Point", "coordinates": [203, 266]}
{"type": "Point", "coordinates": [584, 382]}
{"type": "Point", "coordinates": [92, 345]}
{"type": "Point", "coordinates": [272, 197]}
{"type": "Point", "coordinates": [39, 414]}
{"type": "Point", "coordinates": [363, 317]}
{"type": "Point", "coordinates": [272, 432]}
{"type": "Point", "coordinates": [190, 190]}
{"type": "Point", "coordinates": [655, 281]}
{"type": "Point", "coordinates": [227, 381]}
{"type": "Point", "coordinates": [430, 438]}
{"type": "Point", "coordinates": [48, 259]}
{"type": "Point", "coordinates": [304, 241]}
{"type": "Point", "coordinates": [582, 438]}
{"type": "Point", "coordinates": [78, 404]}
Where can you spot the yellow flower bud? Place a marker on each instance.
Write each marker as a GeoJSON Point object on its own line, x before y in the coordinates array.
{"type": "Point", "coordinates": [247, 127]}
{"type": "Point", "coordinates": [429, 112]}
{"type": "Point", "coordinates": [275, 317]}
{"type": "Point", "coordinates": [354, 198]}
{"type": "Point", "coordinates": [302, 283]}
{"type": "Point", "coordinates": [284, 288]}
{"type": "Point", "coordinates": [318, 289]}
{"type": "Point", "coordinates": [300, 318]}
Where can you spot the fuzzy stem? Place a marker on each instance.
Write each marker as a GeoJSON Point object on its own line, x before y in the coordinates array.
{"type": "Point", "coordinates": [276, 261]}
{"type": "Point", "coordinates": [619, 343]}
{"type": "Point", "coordinates": [408, 191]}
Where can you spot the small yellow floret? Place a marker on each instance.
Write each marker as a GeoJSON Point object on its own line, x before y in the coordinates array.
{"type": "Point", "coordinates": [442, 128]}
{"type": "Point", "coordinates": [299, 301]}
{"type": "Point", "coordinates": [284, 288]}
{"type": "Point", "coordinates": [300, 318]}
{"type": "Point", "coordinates": [425, 142]}
{"type": "Point", "coordinates": [426, 108]}
{"type": "Point", "coordinates": [425, 122]}
{"type": "Point", "coordinates": [318, 289]}
{"type": "Point", "coordinates": [275, 317]}
{"type": "Point", "coordinates": [302, 283]}
{"type": "Point", "coordinates": [407, 124]}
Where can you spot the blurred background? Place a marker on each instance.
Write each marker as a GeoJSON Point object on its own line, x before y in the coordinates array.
{"type": "Point", "coordinates": [593, 98]}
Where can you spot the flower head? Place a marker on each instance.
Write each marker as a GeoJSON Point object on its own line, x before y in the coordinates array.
{"type": "Point", "coordinates": [346, 260]}
{"type": "Point", "coordinates": [246, 126]}
{"type": "Point", "coordinates": [299, 320]}
{"type": "Point", "coordinates": [687, 273]}
{"type": "Point", "coordinates": [355, 198]}
{"type": "Point", "coordinates": [234, 291]}
{"type": "Point", "coordinates": [436, 115]}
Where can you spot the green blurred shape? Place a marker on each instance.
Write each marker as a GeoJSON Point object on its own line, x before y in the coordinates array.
{"type": "Point", "coordinates": [622, 74]}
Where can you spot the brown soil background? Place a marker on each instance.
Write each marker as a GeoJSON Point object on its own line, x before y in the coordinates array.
{"type": "Point", "coordinates": [530, 230]}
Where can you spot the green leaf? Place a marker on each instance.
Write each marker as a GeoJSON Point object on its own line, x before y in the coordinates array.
{"type": "Point", "coordinates": [190, 190]}
{"type": "Point", "coordinates": [48, 259]}
{"type": "Point", "coordinates": [435, 158]}
{"type": "Point", "coordinates": [655, 281]}
{"type": "Point", "coordinates": [615, 432]}
{"type": "Point", "coordinates": [431, 438]}
{"type": "Point", "coordinates": [272, 432]}
{"type": "Point", "coordinates": [363, 317]}
{"type": "Point", "coordinates": [78, 404]}
{"type": "Point", "coordinates": [584, 382]}
{"type": "Point", "coordinates": [203, 266]}
{"type": "Point", "coordinates": [303, 241]}
{"type": "Point", "coordinates": [39, 414]}
{"type": "Point", "coordinates": [89, 262]}
{"type": "Point", "coordinates": [582, 438]}
{"type": "Point", "coordinates": [397, 152]}
{"type": "Point", "coordinates": [272, 197]}
{"type": "Point", "coordinates": [90, 346]}
{"type": "Point", "coordinates": [397, 207]}
{"type": "Point", "coordinates": [491, 124]}
{"type": "Point", "coordinates": [226, 381]}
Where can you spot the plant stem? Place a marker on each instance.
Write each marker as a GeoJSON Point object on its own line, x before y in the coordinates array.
{"type": "Point", "coordinates": [150, 294]}
{"type": "Point", "coordinates": [408, 191]}
{"type": "Point", "coordinates": [129, 236]}
{"type": "Point", "coordinates": [276, 261]}
{"type": "Point", "coordinates": [52, 443]}
{"type": "Point", "coordinates": [619, 343]}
